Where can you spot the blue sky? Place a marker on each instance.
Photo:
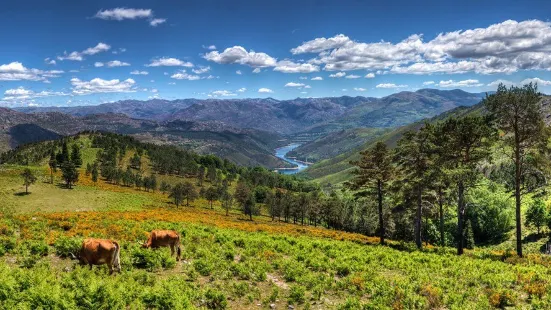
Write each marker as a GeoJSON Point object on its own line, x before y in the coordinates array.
{"type": "Point", "coordinates": [90, 52]}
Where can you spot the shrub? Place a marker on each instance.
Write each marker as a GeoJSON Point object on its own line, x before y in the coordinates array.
{"type": "Point", "coordinates": [152, 260]}
{"type": "Point", "coordinates": [7, 244]}
{"type": "Point", "coordinates": [203, 266]}
{"type": "Point", "coordinates": [67, 246]}
{"type": "Point", "coordinates": [39, 248]}
{"type": "Point", "coordinates": [297, 294]}
{"type": "Point", "coordinates": [215, 299]}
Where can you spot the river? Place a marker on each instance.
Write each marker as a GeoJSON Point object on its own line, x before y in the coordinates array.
{"type": "Point", "coordinates": [282, 153]}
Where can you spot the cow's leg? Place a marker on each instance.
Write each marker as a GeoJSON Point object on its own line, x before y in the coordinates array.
{"type": "Point", "coordinates": [171, 249]}
{"type": "Point", "coordinates": [90, 265]}
{"type": "Point", "coordinates": [110, 268]}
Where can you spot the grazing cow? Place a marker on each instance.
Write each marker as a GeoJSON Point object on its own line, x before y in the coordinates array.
{"type": "Point", "coordinates": [164, 238]}
{"type": "Point", "coordinates": [99, 252]}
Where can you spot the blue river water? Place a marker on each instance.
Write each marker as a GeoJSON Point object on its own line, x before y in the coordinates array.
{"type": "Point", "coordinates": [282, 153]}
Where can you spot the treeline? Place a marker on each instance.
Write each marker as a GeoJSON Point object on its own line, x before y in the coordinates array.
{"type": "Point", "coordinates": [441, 163]}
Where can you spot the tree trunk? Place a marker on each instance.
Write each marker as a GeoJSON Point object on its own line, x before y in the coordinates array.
{"type": "Point", "coordinates": [381, 219]}
{"type": "Point", "coordinates": [518, 176]}
{"type": "Point", "coordinates": [441, 205]}
{"type": "Point", "coordinates": [26, 189]}
{"type": "Point", "coordinates": [418, 218]}
{"type": "Point", "coordinates": [460, 211]}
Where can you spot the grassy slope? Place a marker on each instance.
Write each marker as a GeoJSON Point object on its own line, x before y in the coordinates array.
{"type": "Point", "coordinates": [247, 263]}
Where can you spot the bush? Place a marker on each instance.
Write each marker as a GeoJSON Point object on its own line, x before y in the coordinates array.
{"type": "Point", "coordinates": [152, 260]}
{"type": "Point", "coordinates": [67, 247]}
{"type": "Point", "coordinates": [203, 266]}
{"type": "Point", "coordinates": [215, 299]}
{"type": "Point", "coordinates": [7, 244]}
{"type": "Point", "coordinates": [39, 248]}
{"type": "Point", "coordinates": [297, 294]}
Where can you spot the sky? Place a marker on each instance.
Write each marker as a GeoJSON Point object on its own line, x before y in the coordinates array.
{"type": "Point", "coordinates": [68, 53]}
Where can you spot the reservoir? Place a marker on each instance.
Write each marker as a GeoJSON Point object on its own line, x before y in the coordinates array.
{"type": "Point", "coordinates": [282, 153]}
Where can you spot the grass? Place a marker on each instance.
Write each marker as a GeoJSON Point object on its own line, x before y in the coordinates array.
{"type": "Point", "coordinates": [230, 262]}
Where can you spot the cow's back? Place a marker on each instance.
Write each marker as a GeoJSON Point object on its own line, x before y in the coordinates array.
{"type": "Point", "coordinates": [98, 251]}
{"type": "Point", "coordinates": [161, 238]}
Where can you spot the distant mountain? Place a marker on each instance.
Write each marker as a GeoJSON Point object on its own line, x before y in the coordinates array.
{"type": "Point", "coordinates": [248, 147]}
{"type": "Point", "coordinates": [315, 116]}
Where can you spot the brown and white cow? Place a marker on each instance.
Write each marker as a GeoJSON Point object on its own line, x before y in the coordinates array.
{"type": "Point", "coordinates": [99, 252]}
{"type": "Point", "coordinates": [164, 238]}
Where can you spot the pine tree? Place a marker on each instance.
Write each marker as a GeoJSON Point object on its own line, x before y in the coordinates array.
{"type": "Point", "coordinates": [373, 173]}
{"type": "Point", "coordinates": [52, 163]}
{"type": "Point", "coordinates": [469, 236]}
{"type": "Point", "coordinates": [76, 158]}
{"type": "Point", "coordinates": [211, 194]}
{"type": "Point", "coordinates": [28, 179]}
{"type": "Point", "coordinates": [95, 173]}
{"type": "Point", "coordinates": [414, 156]}
{"type": "Point", "coordinates": [69, 173]}
{"type": "Point", "coordinates": [537, 215]}
{"type": "Point", "coordinates": [462, 143]}
{"type": "Point", "coordinates": [518, 113]}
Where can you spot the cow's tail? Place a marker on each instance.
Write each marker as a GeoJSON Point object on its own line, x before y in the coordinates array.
{"type": "Point", "coordinates": [117, 257]}
{"type": "Point", "coordinates": [178, 249]}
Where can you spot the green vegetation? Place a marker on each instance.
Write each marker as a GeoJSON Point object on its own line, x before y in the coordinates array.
{"type": "Point", "coordinates": [253, 237]}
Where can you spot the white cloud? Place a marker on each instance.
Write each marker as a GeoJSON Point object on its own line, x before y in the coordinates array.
{"type": "Point", "coordinates": [265, 90]}
{"type": "Point", "coordinates": [182, 75]}
{"type": "Point", "coordinates": [359, 89]}
{"type": "Point", "coordinates": [169, 62]}
{"type": "Point", "coordinates": [124, 13]}
{"type": "Point", "coordinates": [117, 63]}
{"type": "Point", "coordinates": [317, 78]}
{"type": "Point", "coordinates": [222, 93]}
{"type": "Point", "coordinates": [293, 84]}
{"type": "Point", "coordinates": [201, 70]}
{"type": "Point", "coordinates": [238, 72]}
{"type": "Point", "coordinates": [504, 47]}
{"type": "Point", "coordinates": [100, 47]}
{"type": "Point", "coordinates": [119, 51]}
{"type": "Point", "coordinates": [500, 81]}
{"type": "Point", "coordinates": [239, 55]}
{"type": "Point", "coordinates": [539, 81]}
{"type": "Point", "coordinates": [337, 75]}
{"type": "Point", "coordinates": [209, 47]}
{"type": "Point", "coordinates": [137, 72]}
{"type": "Point", "coordinates": [352, 76]}
{"type": "Point", "coordinates": [157, 21]}
{"type": "Point", "coordinates": [302, 77]}
{"type": "Point", "coordinates": [307, 86]}
{"type": "Point", "coordinates": [370, 75]}
{"type": "Point", "coordinates": [390, 85]}
{"type": "Point", "coordinates": [242, 90]}
{"type": "Point", "coordinates": [154, 90]}
{"type": "Point", "coordinates": [287, 66]}
{"type": "Point", "coordinates": [321, 44]}
{"type": "Point", "coordinates": [49, 61]}
{"type": "Point", "coordinates": [21, 93]}
{"type": "Point", "coordinates": [428, 83]}
{"type": "Point", "coordinates": [256, 70]}
{"type": "Point", "coordinates": [15, 71]}
{"type": "Point", "coordinates": [464, 83]}
{"type": "Point", "coordinates": [78, 56]}
{"type": "Point", "coordinates": [98, 85]}
{"type": "Point", "coordinates": [344, 89]}
{"type": "Point", "coordinates": [98, 64]}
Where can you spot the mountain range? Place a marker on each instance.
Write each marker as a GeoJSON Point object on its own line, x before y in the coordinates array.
{"type": "Point", "coordinates": [245, 131]}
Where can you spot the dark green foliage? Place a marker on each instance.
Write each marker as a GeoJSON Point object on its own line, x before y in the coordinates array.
{"type": "Point", "coordinates": [537, 215]}
{"type": "Point", "coordinates": [28, 179]}
{"type": "Point", "coordinates": [183, 191]}
{"type": "Point", "coordinates": [469, 236]}
{"type": "Point", "coordinates": [69, 173]}
{"type": "Point", "coordinates": [518, 113]}
{"type": "Point", "coordinates": [76, 157]}
{"type": "Point", "coordinates": [375, 170]}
